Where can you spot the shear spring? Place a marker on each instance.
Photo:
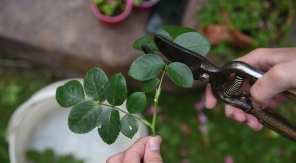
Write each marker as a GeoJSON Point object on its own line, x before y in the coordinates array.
{"type": "Point", "coordinates": [234, 86]}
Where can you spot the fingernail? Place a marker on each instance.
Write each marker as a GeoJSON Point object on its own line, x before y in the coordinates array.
{"type": "Point", "coordinates": [154, 143]}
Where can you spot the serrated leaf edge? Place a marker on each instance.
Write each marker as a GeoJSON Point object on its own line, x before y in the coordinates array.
{"type": "Point", "coordinates": [136, 102]}
{"type": "Point", "coordinates": [179, 74]}
{"type": "Point", "coordinates": [118, 132]}
{"type": "Point", "coordinates": [131, 74]}
{"type": "Point", "coordinates": [61, 86]}
{"type": "Point", "coordinates": [86, 92]}
{"type": "Point", "coordinates": [84, 116]}
{"type": "Point", "coordinates": [137, 124]}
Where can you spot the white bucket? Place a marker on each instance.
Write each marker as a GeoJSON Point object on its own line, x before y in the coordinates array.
{"type": "Point", "coordinates": [40, 123]}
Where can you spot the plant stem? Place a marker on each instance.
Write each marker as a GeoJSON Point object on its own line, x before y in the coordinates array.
{"type": "Point", "coordinates": [138, 118]}
{"type": "Point", "coordinates": [157, 94]}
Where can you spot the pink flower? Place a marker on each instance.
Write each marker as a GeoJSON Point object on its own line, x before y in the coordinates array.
{"type": "Point", "coordinates": [183, 152]}
{"type": "Point", "coordinates": [228, 159]}
{"type": "Point", "coordinates": [270, 26]}
{"type": "Point", "coordinates": [202, 118]}
{"type": "Point", "coordinates": [203, 129]}
{"type": "Point", "coordinates": [200, 104]}
{"type": "Point", "coordinates": [266, 4]}
{"type": "Point", "coordinates": [150, 110]}
{"type": "Point", "coordinates": [261, 24]}
{"type": "Point", "coordinates": [186, 161]}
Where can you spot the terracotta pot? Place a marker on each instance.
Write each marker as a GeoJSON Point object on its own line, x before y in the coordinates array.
{"type": "Point", "coordinates": [146, 5]}
{"type": "Point", "coordinates": [217, 33]}
{"type": "Point", "coordinates": [112, 20]}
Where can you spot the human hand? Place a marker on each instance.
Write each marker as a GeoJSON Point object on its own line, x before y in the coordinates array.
{"type": "Point", "coordinates": [279, 65]}
{"type": "Point", "coordinates": [144, 150]}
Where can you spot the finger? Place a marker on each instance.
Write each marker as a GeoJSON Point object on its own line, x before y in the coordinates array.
{"type": "Point", "coordinates": [240, 116]}
{"type": "Point", "coordinates": [261, 58]}
{"type": "Point", "coordinates": [276, 80]}
{"type": "Point", "coordinates": [135, 153]}
{"type": "Point", "coordinates": [211, 101]}
{"type": "Point", "coordinates": [235, 113]}
{"type": "Point", "coordinates": [152, 150]}
{"type": "Point", "coordinates": [115, 158]}
{"type": "Point", "coordinates": [253, 122]}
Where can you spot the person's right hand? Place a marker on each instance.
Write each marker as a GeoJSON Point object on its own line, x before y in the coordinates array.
{"type": "Point", "coordinates": [279, 65]}
{"type": "Point", "coordinates": [144, 150]}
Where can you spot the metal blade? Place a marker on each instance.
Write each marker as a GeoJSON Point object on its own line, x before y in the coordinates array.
{"type": "Point", "coordinates": [176, 53]}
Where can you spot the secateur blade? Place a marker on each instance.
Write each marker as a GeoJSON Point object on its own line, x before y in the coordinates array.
{"type": "Point", "coordinates": [177, 53]}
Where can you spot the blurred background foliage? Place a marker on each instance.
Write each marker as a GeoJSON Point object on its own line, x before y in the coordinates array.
{"type": "Point", "coordinates": [190, 132]}
{"type": "Point", "coordinates": [237, 27]}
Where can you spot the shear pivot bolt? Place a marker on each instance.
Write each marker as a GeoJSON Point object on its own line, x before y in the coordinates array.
{"type": "Point", "coordinates": [204, 78]}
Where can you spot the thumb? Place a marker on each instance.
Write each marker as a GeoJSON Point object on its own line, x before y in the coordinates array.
{"type": "Point", "coordinates": [273, 82]}
{"type": "Point", "coordinates": [152, 151]}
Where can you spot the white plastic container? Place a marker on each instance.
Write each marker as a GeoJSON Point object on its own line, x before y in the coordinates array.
{"type": "Point", "coordinates": [40, 123]}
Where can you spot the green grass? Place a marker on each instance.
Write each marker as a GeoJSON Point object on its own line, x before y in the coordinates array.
{"type": "Point", "coordinates": [177, 124]}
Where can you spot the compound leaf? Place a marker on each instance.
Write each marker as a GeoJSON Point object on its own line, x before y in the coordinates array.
{"type": "Point", "coordinates": [70, 94]}
{"type": "Point", "coordinates": [94, 83]}
{"type": "Point", "coordinates": [180, 74]}
{"type": "Point", "coordinates": [194, 42]}
{"type": "Point", "coordinates": [150, 85]}
{"type": "Point", "coordinates": [175, 31]}
{"type": "Point", "coordinates": [115, 90]}
{"type": "Point", "coordinates": [129, 126]}
{"type": "Point", "coordinates": [136, 102]}
{"type": "Point", "coordinates": [146, 67]}
{"type": "Point", "coordinates": [84, 117]}
{"type": "Point", "coordinates": [109, 125]}
{"type": "Point", "coordinates": [145, 40]}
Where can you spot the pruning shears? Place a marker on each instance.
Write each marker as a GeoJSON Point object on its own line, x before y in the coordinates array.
{"type": "Point", "coordinates": [218, 77]}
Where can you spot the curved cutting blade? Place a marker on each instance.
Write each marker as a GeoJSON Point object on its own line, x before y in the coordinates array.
{"type": "Point", "coordinates": [177, 53]}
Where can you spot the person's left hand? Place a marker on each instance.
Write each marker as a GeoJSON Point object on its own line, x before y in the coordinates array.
{"type": "Point", "coordinates": [144, 150]}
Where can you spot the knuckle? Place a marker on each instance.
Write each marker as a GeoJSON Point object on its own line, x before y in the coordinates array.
{"type": "Point", "coordinates": [260, 51]}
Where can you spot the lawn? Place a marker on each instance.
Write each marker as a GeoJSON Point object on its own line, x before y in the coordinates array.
{"type": "Point", "coordinates": [189, 134]}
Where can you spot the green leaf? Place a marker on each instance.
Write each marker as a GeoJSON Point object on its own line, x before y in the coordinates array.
{"type": "Point", "coordinates": [194, 42]}
{"type": "Point", "coordinates": [94, 83]}
{"type": "Point", "coordinates": [150, 85]}
{"type": "Point", "coordinates": [145, 40]}
{"type": "Point", "coordinates": [129, 126]}
{"type": "Point", "coordinates": [175, 31]}
{"type": "Point", "coordinates": [136, 102]}
{"type": "Point", "coordinates": [115, 90]}
{"type": "Point", "coordinates": [180, 74]}
{"type": "Point", "coordinates": [70, 94]}
{"type": "Point", "coordinates": [109, 125]}
{"type": "Point", "coordinates": [84, 117]}
{"type": "Point", "coordinates": [146, 67]}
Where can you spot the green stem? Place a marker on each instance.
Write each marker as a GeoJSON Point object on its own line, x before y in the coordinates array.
{"type": "Point", "coordinates": [138, 118]}
{"type": "Point", "coordinates": [157, 94]}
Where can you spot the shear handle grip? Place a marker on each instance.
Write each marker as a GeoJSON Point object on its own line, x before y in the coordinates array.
{"type": "Point", "coordinates": [275, 122]}
{"type": "Point", "coordinates": [290, 93]}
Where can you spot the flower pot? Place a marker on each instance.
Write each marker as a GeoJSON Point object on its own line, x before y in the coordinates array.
{"type": "Point", "coordinates": [112, 20]}
{"type": "Point", "coordinates": [146, 5]}
{"type": "Point", "coordinates": [40, 124]}
{"type": "Point", "coordinates": [224, 31]}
